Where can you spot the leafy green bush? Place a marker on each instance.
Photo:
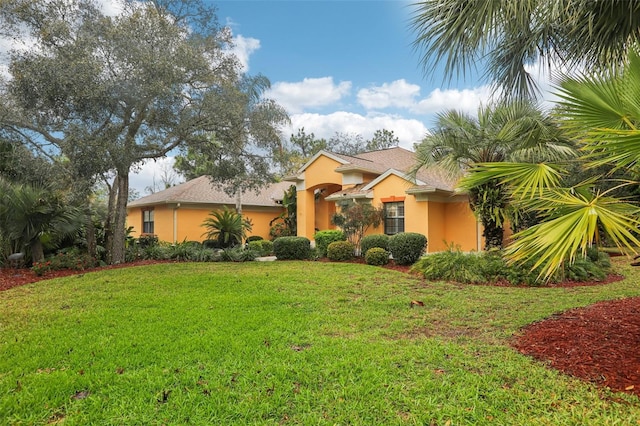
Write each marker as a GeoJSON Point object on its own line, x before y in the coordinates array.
{"type": "Point", "coordinates": [324, 238]}
{"type": "Point", "coordinates": [211, 244]}
{"type": "Point", "coordinates": [452, 265]}
{"type": "Point", "coordinates": [488, 267]}
{"type": "Point", "coordinates": [254, 238]}
{"type": "Point", "coordinates": [371, 241]}
{"type": "Point", "coordinates": [376, 256]}
{"type": "Point", "coordinates": [407, 247]}
{"type": "Point", "coordinates": [147, 240]}
{"type": "Point", "coordinates": [341, 250]}
{"type": "Point", "coordinates": [262, 247]}
{"type": "Point", "coordinates": [286, 248]}
{"type": "Point", "coordinates": [72, 259]}
{"type": "Point", "coordinates": [238, 254]}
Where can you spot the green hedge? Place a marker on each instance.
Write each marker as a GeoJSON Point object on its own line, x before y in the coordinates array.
{"type": "Point", "coordinates": [262, 247]}
{"type": "Point", "coordinates": [324, 238]}
{"type": "Point", "coordinates": [341, 250]}
{"type": "Point", "coordinates": [371, 241]}
{"type": "Point", "coordinates": [376, 256]}
{"type": "Point", "coordinates": [407, 247]}
{"type": "Point", "coordinates": [286, 248]}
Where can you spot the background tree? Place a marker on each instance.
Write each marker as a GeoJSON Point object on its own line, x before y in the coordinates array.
{"type": "Point", "coordinates": [238, 152]}
{"type": "Point", "coordinates": [509, 130]}
{"type": "Point", "coordinates": [382, 139]}
{"type": "Point", "coordinates": [116, 90]}
{"type": "Point", "coordinates": [506, 36]}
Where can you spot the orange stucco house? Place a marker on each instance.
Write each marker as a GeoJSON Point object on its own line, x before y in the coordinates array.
{"type": "Point", "coordinates": [176, 214]}
{"type": "Point", "coordinates": [429, 205]}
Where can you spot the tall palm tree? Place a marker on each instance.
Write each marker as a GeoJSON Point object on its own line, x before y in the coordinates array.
{"type": "Point", "coordinates": [505, 131]}
{"type": "Point", "coordinates": [601, 111]}
{"type": "Point", "coordinates": [508, 35]}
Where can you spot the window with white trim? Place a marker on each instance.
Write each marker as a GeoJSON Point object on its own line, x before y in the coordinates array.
{"type": "Point", "coordinates": [147, 222]}
{"type": "Point", "coordinates": [393, 217]}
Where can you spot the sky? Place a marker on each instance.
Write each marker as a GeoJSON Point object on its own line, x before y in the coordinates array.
{"type": "Point", "coordinates": [340, 66]}
{"type": "Point", "coordinates": [337, 66]}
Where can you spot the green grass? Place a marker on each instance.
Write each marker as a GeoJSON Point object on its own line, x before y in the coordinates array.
{"type": "Point", "coordinates": [290, 343]}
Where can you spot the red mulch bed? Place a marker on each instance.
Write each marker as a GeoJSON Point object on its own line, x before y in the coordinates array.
{"type": "Point", "coordinates": [597, 343]}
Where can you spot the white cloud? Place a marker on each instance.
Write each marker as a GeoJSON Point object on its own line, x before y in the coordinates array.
{"type": "Point", "coordinates": [466, 100]}
{"type": "Point", "coordinates": [398, 94]}
{"type": "Point", "coordinates": [308, 93]}
{"type": "Point", "coordinates": [408, 131]}
{"type": "Point", "coordinates": [150, 174]}
{"type": "Point", "coordinates": [111, 7]}
{"type": "Point", "coordinates": [243, 48]}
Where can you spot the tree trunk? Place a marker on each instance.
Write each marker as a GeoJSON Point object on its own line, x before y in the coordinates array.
{"type": "Point", "coordinates": [119, 223]}
{"type": "Point", "coordinates": [92, 245]}
{"type": "Point", "coordinates": [108, 225]}
{"type": "Point", "coordinates": [37, 250]}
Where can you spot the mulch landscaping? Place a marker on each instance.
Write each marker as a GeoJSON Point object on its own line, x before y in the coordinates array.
{"type": "Point", "coordinates": [597, 343]}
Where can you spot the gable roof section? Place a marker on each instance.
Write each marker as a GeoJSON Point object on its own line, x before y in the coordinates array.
{"type": "Point", "coordinates": [201, 191]}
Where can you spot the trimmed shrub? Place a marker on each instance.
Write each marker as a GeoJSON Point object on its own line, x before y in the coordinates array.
{"type": "Point", "coordinates": [262, 247]}
{"type": "Point", "coordinates": [286, 248]}
{"type": "Point", "coordinates": [407, 247]}
{"type": "Point", "coordinates": [254, 238]}
{"type": "Point", "coordinates": [341, 250]}
{"type": "Point", "coordinates": [376, 256]}
{"type": "Point", "coordinates": [371, 241]}
{"type": "Point", "coordinates": [324, 238]}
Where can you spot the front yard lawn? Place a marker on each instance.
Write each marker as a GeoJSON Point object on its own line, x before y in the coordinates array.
{"type": "Point", "coordinates": [287, 343]}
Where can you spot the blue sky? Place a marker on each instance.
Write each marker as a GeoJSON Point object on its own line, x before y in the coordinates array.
{"type": "Point", "coordinates": [337, 66]}
{"type": "Point", "coordinates": [340, 66]}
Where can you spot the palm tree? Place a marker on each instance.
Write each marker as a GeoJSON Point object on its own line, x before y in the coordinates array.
{"type": "Point", "coordinates": [509, 35]}
{"type": "Point", "coordinates": [601, 111]}
{"type": "Point", "coordinates": [506, 131]}
{"type": "Point", "coordinates": [226, 226]}
{"type": "Point", "coordinates": [29, 214]}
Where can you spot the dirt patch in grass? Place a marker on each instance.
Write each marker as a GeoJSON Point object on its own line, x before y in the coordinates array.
{"type": "Point", "coordinates": [598, 343]}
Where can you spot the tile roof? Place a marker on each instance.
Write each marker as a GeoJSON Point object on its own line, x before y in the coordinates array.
{"type": "Point", "coordinates": [202, 191]}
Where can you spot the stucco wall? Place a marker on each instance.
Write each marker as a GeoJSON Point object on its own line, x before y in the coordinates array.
{"type": "Point", "coordinates": [188, 221]}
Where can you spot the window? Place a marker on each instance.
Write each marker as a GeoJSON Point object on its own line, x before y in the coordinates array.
{"type": "Point", "coordinates": [393, 218]}
{"type": "Point", "coordinates": [147, 221]}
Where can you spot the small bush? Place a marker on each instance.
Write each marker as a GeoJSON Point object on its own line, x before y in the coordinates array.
{"type": "Point", "coordinates": [238, 254]}
{"type": "Point", "coordinates": [407, 247]}
{"type": "Point", "coordinates": [262, 247]}
{"type": "Point", "coordinates": [341, 250]}
{"type": "Point", "coordinates": [147, 240]}
{"type": "Point", "coordinates": [287, 248]}
{"type": "Point", "coordinates": [452, 265]}
{"type": "Point", "coordinates": [72, 259]}
{"type": "Point", "coordinates": [376, 256]}
{"type": "Point", "coordinates": [324, 238]}
{"type": "Point", "coordinates": [254, 238]}
{"type": "Point", "coordinates": [211, 244]}
{"type": "Point", "coordinates": [371, 241]}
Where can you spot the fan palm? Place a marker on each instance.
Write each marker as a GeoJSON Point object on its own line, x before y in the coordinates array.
{"type": "Point", "coordinates": [30, 213]}
{"type": "Point", "coordinates": [226, 226]}
{"type": "Point", "coordinates": [602, 111]}
{"type": "Point", "coordinates": [506, 131]}
{"type": "Point", "coordinates": [510, 35]}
